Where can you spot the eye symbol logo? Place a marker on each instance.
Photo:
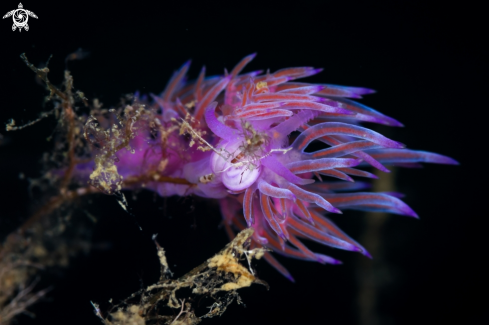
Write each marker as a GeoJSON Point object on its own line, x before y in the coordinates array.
{"type": "Point", "coordinates": [20, 17]}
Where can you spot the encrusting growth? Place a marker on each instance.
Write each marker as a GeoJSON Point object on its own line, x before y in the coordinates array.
{"type": "Point", "coordinates": [218, 278]}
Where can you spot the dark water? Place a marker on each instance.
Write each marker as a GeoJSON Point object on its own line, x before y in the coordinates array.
{"type": "Point", "coordinates": [428, 65]}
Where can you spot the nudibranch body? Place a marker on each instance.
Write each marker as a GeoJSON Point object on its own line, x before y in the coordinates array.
{"type": "Point", "coordinates": [229, 138]}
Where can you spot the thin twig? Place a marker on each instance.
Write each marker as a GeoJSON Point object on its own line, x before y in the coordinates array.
{"type": "Point", "coordinates": [182, 301]}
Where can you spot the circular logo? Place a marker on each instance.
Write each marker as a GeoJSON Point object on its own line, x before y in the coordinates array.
{"type": "Point", "coordinates": [20, 18]}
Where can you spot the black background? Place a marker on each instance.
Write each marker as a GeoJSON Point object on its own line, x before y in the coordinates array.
{"type": "Point", "coordinates": [426, 60]}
